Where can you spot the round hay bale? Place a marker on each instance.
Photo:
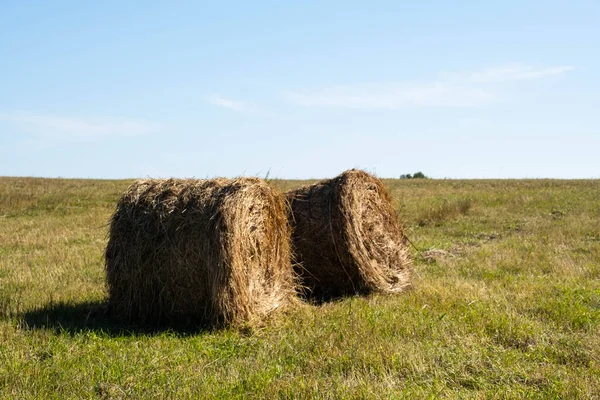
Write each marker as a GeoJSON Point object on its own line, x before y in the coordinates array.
{"type": "Point", "coordinates": [207, 252]}
{"type": "Point", "coordinates": [347, 238]}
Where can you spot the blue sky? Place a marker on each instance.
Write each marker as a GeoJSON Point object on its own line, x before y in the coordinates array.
{"type": "Point", "coordinates": [462, 89]}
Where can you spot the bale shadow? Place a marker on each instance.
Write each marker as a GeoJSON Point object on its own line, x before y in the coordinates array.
{"type": "Point", "coordinates": [94, 316]}
{"type": "Point", "coordinates": [323, 298]}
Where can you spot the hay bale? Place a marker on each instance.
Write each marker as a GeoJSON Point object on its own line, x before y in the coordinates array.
{"type": "Point", "coordinates": [347, 238]}
{"type": "Point", "coordinates": [212, 252]}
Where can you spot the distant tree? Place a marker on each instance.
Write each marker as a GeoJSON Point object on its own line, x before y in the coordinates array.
{"type": "Point", "coordinates": [416, 175]}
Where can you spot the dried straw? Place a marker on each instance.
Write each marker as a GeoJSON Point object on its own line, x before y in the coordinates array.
{"type": "Point", "coordinates": [212, 252]}
{"type": "Point", "coordinates": [347, 238]}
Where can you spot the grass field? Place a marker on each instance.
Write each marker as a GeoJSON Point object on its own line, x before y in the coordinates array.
{"type": "Point", "coordinates": [505, 304]}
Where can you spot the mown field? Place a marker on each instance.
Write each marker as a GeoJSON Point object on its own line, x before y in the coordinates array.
{"type": "Point", "coordinates": [505, 304]}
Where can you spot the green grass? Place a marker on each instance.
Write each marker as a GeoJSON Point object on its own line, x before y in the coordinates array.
{"type": "Point", "coordinates": [507, 305]}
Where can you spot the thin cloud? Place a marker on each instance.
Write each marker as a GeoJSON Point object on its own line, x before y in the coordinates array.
{"type": "Point", "coordinates": [391, 97]}
{"type": "Point", "coordinates": [74, 129]}
{"type": "Point", "coordinates": [515, 72]}
{"type": "Point", "coordinates": [469, 90]}
{"type": "Point", "coordinates": [234, 105]}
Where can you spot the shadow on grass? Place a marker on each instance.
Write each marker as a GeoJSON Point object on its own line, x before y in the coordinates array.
{"type": "Point", "coordinates": [94, 316]}
{"type": "Point", "coordinates": [323, 299]}
{"type": "Point", "coordinates": [320, 296]}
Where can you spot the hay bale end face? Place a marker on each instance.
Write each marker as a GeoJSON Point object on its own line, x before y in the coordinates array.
{"type": "Point", "coordinates": [347, 238]}
{"type": "Point", "coordinates": [207, 252]}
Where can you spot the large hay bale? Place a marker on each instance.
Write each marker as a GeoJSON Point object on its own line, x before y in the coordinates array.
{"type": "Point", "coordinates": [210, 252]}
{"type": "Point", "coordinates": [347, 238]}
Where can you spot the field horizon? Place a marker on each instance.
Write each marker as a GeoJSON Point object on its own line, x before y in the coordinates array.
{"type": "Point", "coordinates": [301, 179]}
{"type": "Point", "coordinates": [505, 303]}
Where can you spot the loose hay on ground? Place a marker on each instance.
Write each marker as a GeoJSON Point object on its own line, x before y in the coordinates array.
{"type": "Point", "coordinates": [347, 238]}
{"type": "Point", "coordinates": [211, 252]}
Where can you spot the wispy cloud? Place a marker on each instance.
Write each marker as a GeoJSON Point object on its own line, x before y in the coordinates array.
{"type": "Point", "coordinates": [238, 106]}
{"type": "Point", "coordinates": [394, 96]}
{"type": "Point", "coordinates": [454, 90]}
{"type": "Point", "coordinates": [52, 127]}
{"type": "Point", "coordinates": [515, 72]}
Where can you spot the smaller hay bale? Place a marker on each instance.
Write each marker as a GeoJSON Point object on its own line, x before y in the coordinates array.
{"type": "Point", "coordinates": [346, 237]}
{"type": "Point", "coordinates": [202, 252]}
